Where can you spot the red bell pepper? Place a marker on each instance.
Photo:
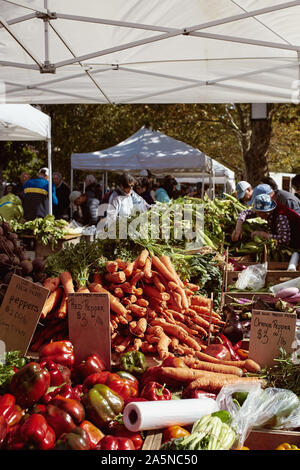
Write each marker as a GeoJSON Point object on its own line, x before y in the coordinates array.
{"type": "Point", "coordinates": [29, 384]}
{"type": "Point", "coordinates": [135, 437]}
{"type": "Point", "coordinates": [60, 352]}
{"type": "Point", "coordinates": [234, 355]}
{"type": "Point", "coordinates": [130, 400]}
{"type": "Point", "coordinates": [219, 351]}
{"type": "Point", "coordinates": [3, 430]}
{"type": "Point", "coordinates": [64, 414]}
{"type": "Point", "coordinates": [94, 434]}
{"type": "Point", "coordinates": [155, 391]}
{"type": "Point", "coordinates": [9, 410]}
{"type": "Point", "coordinates": [94, 379]}
{"type": "Point", "coordinates": [59, 373]}
{"type": "Point", "coordinates": [14, 439]}
{"type": "Point", "coordinates": [124, 387]}
{"type": "Point", "coordinates": [66, 391]}
{"type": "Point", "coordinates": [36, 433]}
{"type": "Point", "coordinates": [77, 439]}
{"type": "Point", "coordinates": [91, 365]}
{"type": "Point", "coordinates": [115, 443]}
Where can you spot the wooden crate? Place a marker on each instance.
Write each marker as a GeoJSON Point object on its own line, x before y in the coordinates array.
{"type": "Point", "coordinates": [258, 439]}
{"type": "Point", "coordinates": [42, 251]}
{"type": "Point", "coordinates": [243, 295]}
{"type": "Point", "coordinates": [266, 439]}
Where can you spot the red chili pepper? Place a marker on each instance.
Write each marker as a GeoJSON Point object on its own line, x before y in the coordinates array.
{"type": "Point", "coordinates": [91, 365]}
{"type": "Point", "coordinates": [229, 346]}
{"type": "Point", "coordinates": [59, 373]}
{"type": "Point", "coordinates": [199, 394]}
{"type": "Point", "coordinates": [115, 443]}
{"type": "Point", "coordinates": [155, 391]}
{"type": "Point", "coordinates": [60, 352]}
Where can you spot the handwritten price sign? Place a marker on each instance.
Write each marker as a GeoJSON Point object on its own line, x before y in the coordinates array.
{"type": "Point", "coordinates": [269, 332]}
{"type": "Point", "coordinates": [20, 312]}
{"type": "Point", "coordinates": [89, 325]}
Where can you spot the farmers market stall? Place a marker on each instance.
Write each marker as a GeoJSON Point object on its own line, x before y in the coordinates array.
{"type": "Point", "coordinates": [121, 330]}
{"type": "Point", "coordinates": [150, 150]}
{"type": "Point", "coordinates": [23, 122]}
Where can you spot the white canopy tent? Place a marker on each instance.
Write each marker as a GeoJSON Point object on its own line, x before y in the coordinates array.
{"type": "Point", "coordinates": [154, 151]}
{"type": "Point", "coordinates": [136, 51]}
{"type": "Point", "coordinates": [22, 122]}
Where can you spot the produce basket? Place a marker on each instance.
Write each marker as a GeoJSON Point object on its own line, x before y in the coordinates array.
{"type": "Point", "coordinates": [267, 439]}
{"type": "Point", "coordinates": [42, 251]}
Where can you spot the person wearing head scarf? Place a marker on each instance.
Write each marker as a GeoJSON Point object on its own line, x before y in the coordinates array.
{"type": "Point", "coordinates": [283, 222]}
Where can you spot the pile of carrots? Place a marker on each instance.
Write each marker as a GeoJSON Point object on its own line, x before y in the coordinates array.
{"type": "Point", "coordinates": [151, 308]}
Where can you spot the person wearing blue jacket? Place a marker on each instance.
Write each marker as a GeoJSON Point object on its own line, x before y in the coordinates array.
{"type": "Point", "coordinates": [166, 189]}
{"type": "Point", "coordinates": [36, 196]}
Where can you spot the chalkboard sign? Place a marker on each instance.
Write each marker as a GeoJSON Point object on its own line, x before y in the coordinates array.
{"type": "Point", "coordinates": [270, 331]}
{"type": "Point", "coordinates": [20, 312]}
{"type": "Point", "coordinates": [89, 326]}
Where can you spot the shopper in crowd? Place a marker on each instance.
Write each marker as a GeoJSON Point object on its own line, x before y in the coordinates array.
{"type": "Point", "coordinates": [278, 195]}
{"type": "Point", "coordinates": [166, 189]}
{"type": "Point", "coordinates": [19, 188]}
{"type": "Point", "coordinates": [296, 185]}
{"type": "Point", "coordinates": [62, 209]}
{"type": "Point", "coordinates": [146, 191]}
{"type": "Point", "coordinates": [9, 188]}
{"type": "Point", "coordinates": [270, 181]}
{"type": "Point", "coordinates": [92, 188]}
{"type": "Point", "coordinates": [244, 191]}
{"type": "Point", "coordinates": [36, 196]}
{"type": "Point", "coordinates": [86, 208]}
{"type": "Point", "coordinates": [124, 200]}
{"type": "Point", "coordinates": [10, 205]}
{"type": "Point", "coordinates": [283, 222]}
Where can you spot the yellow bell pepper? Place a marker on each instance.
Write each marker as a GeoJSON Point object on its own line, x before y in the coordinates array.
{"type": "Point", "coordinates": [287, 446]}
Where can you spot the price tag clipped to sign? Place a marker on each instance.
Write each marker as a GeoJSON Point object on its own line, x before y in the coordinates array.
{"type": "Point", "coordinates": [20, 312]}
{"type": "Point", "coordinates": [89, 326]}
{"type": "Point", "coordinates": [270, 331]}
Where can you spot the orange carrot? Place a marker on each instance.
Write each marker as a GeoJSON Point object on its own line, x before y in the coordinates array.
{"type": "Point", "coordinates": [152, 292]}
{"type": "Point", "coordinates": [82, 290]}
{"type": "Point", "coordinates": [158, 284]}
{"type": "Point", "coordinates": [248, 364]}
{"type": "Point", "coordinates": [138, 291]}
{"type": "Point", "coordinates": [121, 264]}
{"type": "Point", "coordinates": [97, 278]}
{"type": "Point", "coordinates": [147, 269]}
{"type": "Point", "coordinates": [52, 300]}
{"type": "Point", "coordinates": [162, 269]}
{"type": "Point", "coordinates": [118, 292]}
{"type": "Point", "coordinates": [137, 310]}
{"type": "Point", "coordinates": [111, 266]}
{"type": "Point", "coordinates": [116, 278]}
{"type": "Point", "coordinates": [63, 308]}
{"type": "Point", "coordinates": [210, 366]}
{"type": "Point", "coordinates": [51, 283]}
{"type": "Point", "coordinates": [214, 382]}
{"type": "Point", "coordinates": [168, 264]}
{"type": "Point", "coordinates": [142, 302]}
{"type": "Point", "coordinates": [131, 267]}
{"type": "Point", "coordinates": [137, 276]}
{"type": "Point", "coordinates": [67, 282]}
{"type": "Point", "coordinates": [141, 261]}
{"type": "Point", "coordinates": [115, 304]}
{"type": "Point", "coordinates": [192, 287]}
{"type": "Point", "coordinates": [201, 301]}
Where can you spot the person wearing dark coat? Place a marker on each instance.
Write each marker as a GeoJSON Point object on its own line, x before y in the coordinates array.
{"type": "Point", "coordinates": [62, 210]}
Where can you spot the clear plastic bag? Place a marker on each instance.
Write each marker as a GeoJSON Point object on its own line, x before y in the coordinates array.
{"type": "Point", "coordinates": [273, 408]}
{"type": "Point", "coordinates": [253, 277]}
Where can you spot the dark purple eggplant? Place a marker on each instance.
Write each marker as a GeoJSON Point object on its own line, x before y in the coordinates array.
{"type": "Point", "coordinates": [233, 328]}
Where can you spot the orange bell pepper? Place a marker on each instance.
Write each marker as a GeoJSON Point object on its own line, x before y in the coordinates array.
{"type": "Point", "coordinates": [173, 432]}
{"type": "Point", "coordinates": [95, 434]}
{"type": "Point", "coordinates": [287, 446]}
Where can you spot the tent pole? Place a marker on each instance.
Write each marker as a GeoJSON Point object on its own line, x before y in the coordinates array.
{"type": "Point", "coordinates": [50, 174]}
{"type": "Point", "coordinates": [202, 188]}
{"type": "Point", "coordinates": [103, 185]}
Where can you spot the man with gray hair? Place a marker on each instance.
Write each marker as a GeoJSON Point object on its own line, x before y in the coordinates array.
{"type": "Point", "coordinates": [62, 210]}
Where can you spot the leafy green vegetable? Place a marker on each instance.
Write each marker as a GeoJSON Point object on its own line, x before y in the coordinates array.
{"type": "Point", "coordinates": [7, 369]}
{"type": "Point", "coordinates": [47, 230]}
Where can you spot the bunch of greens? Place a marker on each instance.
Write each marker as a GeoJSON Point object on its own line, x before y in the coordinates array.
{"type": "Point", "coordinates": [81, 260]}
{"type": "Point", "coordinates": [12, 361]}
{"type": "Point", "coordinates": [284, 373]}
{"type": "Point", "coordinates": [47, 230]}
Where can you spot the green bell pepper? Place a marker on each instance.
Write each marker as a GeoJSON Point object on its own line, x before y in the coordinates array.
{"type": "Point", "coordinates": [102, 404]}
{"type": "Point", "coordinates": [77, 439]}
{"type": "Point", "coordinates": [133, 362]}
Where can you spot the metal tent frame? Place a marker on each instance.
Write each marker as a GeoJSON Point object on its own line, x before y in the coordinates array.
{"type": "Point", "coordinates": [238, 82]}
